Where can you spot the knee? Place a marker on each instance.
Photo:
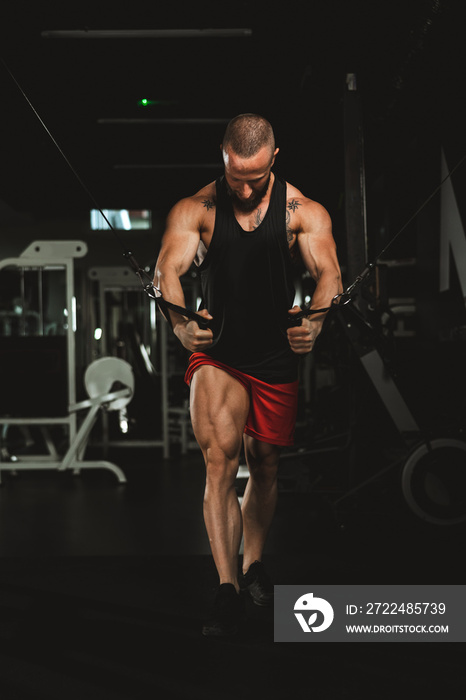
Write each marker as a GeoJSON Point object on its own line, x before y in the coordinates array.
{"type": "Point", "coordinates": [221, 469]}
{"type": "Point", "coordinates": [264, 474]}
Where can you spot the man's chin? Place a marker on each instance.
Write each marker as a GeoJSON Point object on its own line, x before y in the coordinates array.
{"type": "Point", "coordinates": [246, 206]}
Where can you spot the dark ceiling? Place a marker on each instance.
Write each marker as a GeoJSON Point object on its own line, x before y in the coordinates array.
{"type": "Point", "coordinates": [291, 67]}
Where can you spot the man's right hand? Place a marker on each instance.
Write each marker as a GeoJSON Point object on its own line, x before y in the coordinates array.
{"type": "Point", "coordinates": [191, 336]}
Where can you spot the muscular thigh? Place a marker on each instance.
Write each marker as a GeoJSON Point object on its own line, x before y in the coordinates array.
{"type": "Point", "coordinates": [219, 410]}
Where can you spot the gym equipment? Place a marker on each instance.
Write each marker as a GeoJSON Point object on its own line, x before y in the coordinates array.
{"type": "Point", "coordinates": [41, 379]}
{"type": "Point", "coordinates": [109, 382]}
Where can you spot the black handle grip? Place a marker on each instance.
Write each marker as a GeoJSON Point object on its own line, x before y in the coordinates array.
{"type": "Point", "coordinates": [295, 319]}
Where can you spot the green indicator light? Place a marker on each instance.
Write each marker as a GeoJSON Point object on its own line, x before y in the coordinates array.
{"type": "Point", "coordinates": [144, 102]}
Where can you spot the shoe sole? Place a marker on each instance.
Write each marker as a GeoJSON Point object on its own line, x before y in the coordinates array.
{"type": "Point", "coordinates": [262, 604]}
{"type": "Point", "coordinates": [258, 601]}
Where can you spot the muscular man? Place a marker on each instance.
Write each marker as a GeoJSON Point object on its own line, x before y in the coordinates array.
{"type": "Point", "coordinates": [243, 232]}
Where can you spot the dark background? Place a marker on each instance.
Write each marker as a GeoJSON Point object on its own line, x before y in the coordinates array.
{"type": "Point", "coordinates": [96, 577]}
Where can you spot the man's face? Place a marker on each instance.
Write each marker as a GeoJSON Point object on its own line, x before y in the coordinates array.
{"type": "Point", "coordinates": [248, 179]}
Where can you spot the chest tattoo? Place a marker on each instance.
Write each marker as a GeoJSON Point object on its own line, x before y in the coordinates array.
{"type": "Point", "coordinates": [257, 219]}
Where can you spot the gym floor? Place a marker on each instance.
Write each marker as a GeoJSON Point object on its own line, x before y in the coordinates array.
{"type": "Point", "coordinates": [104, 586]}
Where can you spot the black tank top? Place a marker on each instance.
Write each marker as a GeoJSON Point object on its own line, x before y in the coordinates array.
{"type": "Point", "coordinates": [247, 286]}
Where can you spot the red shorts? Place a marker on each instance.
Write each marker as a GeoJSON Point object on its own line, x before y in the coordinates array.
{"type": "Point", "coordinates": [273, 407]}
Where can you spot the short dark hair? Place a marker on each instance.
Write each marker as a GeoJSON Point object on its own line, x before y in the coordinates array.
{"type": "Point", "coordinates": [246, 134]}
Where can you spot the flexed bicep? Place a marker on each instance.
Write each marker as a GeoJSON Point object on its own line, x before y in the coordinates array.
{"type": "Point", "coordinates": [319, 254]}
{"type": "Point", "coordinates": [316, 243]}
{"type": "Point", "coordinates": [180, 243]}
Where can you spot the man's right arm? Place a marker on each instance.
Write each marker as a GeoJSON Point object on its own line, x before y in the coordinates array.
{"type": "Point", "coordinates": [178, 250]}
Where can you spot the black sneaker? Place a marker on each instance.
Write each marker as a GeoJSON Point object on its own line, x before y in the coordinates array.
{"type": "Point", "coordinates": [226, 613]}
{"type": "Point", "coordinates": [257, 583]}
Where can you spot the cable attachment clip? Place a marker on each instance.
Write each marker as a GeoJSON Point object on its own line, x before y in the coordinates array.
{"type": "Point", "coordinates": [155, 293]}
{"type": "Point", "coordinates": [350, 292]}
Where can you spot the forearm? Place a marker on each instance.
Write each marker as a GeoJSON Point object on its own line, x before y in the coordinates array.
{"type": "Point", "coordinates": [328, 286]}
{"type": "Point", "coordinates": [188, 332]}
{"type": "Point", "coordinates": [167, 280]}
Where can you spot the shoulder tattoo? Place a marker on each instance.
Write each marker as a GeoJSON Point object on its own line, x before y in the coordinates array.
{"type": "Point", "coordinates": [289, 230]}
{"type": "Point", "coordinates": [208, 204]}
{"type": "Point", "coordinates": [293, 204]}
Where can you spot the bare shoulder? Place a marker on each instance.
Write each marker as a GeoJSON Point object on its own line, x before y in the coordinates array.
{"type": "Point", "coordinates": [191, 212]}
{"type": "Point", "coordinates": [305, 214]}
{"type": "Point", "coordinates": [309, 228]}
{"type": "Point", "coordinates": [206, 197]}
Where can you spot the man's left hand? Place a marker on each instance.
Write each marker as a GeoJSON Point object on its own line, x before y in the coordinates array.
{"type": "Point", "coordinates": [301, 338]}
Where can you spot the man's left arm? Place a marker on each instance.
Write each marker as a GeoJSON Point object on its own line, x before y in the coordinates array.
{"type": "Point", "coordinates": [319, 255]}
